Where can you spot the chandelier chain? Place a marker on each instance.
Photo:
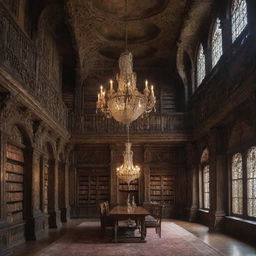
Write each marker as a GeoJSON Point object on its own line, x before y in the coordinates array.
{"type": "Point", "coordinates": [128, 132]}
{"type": "Point", "coordinates": [125, 20]}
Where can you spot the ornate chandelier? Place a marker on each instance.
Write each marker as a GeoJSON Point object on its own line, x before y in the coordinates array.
{"type": "Point", "coordinates": [126, 103]}
{"type": "Point", "coordinates": [127, 171]}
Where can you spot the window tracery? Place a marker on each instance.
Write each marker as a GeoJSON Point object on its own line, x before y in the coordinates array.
{"type": "Point", "coordinates": [216, 43]}
{"type": "Point", "coordinates": [238, 17]}
{"type": "Point", "coordinates": [206, 187]}
{"type": "Point", "coordinates": [237, 184]}
{"type": "Point", "coordinates": [200, 65]}
{"type": "Point", "coordinates": [251, 182]}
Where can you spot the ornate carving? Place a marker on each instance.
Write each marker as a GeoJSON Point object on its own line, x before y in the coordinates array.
{"type": "Point", "coordinates": [21, 59]}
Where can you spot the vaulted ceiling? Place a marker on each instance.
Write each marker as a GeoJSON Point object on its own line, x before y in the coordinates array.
{"type": "Point", "coordinates": [98, 27]}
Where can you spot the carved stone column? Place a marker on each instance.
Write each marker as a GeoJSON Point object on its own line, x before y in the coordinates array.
{"type": "Point", "coordinates": [64, 192]}
{"type": "Point", "coordinates": [35, 216]}
{"type": "Point", "coordinates": [192, 181]}
{"type": "Point", "coordinates": [218, 177]}
{"type": "Point", "coordinates": [72, 190]}
{"type": "Point", "coordinates": [53, 195]}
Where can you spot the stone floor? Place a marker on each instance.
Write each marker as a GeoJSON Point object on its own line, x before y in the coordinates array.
{"type": "Point", "coordinates": [225, 244]}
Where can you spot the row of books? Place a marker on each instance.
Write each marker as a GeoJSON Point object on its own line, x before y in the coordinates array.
{"type": "Point", "coordinates": [13, 207]}
{"type": "Point", "coordinates": [16, 196]}
{"type": "Point", "coordinates": [14, 153]}
{"type": "Point", "coordinates": [14, 217]}
{"type": "Point", "coordinates": [12, 177]}
{"type": "Point", "coordinates": [126, 187]}
{"type": "Point", "coordinates": [15, 168]}
{"type": "Point", "coordinates": [14, 187]}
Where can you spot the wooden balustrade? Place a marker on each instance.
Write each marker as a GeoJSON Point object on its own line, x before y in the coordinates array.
{"type": "Point", "coordinates": [152, 124]}
{"type": "Point", "coordinates": [19, 55]}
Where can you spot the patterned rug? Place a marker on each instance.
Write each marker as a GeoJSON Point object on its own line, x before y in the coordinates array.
{"type": "Point", "coordinates": [86, 240]}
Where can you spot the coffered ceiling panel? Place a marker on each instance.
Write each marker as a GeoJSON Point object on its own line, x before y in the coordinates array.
{"type": "Point", "coordinates": [99, 27]}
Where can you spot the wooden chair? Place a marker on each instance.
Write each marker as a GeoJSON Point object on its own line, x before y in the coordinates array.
{"type": "Point", "coordinates": [155, 219]}
{"type": "Point", "coordinates": [105, 219]}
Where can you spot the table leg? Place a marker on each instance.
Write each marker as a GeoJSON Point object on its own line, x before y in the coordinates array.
{"type": "Point", "coordinates": [143, 229]}
{"type": "Point", "coordinates": [116, 227]}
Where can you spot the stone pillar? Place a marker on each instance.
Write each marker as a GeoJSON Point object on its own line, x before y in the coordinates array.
{"type": "Point", "coordinates": [33, 196]}
{"type": "Point", "coordinates": [72, 190]}
{"type": "Point", "coordinates": [64, 192]}
{"type": "Point", "coordinates": [53, 195]}
{"type": "Point", "coordinates": [192, 182]}
{"type": "Point", "coordinates": [218, 178]}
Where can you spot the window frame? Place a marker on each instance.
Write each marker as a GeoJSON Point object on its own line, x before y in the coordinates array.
{"type": "Point", "coordinates": [204, 161]}
{"type": "Point", "coordinates": [243, 150]}
{"type": "Point", "coordinates": [231, 186]}
{"type": "Point", "coordinates": [203, 187]}
{"type": "Point", "coordinates": [246, 180]}
{"type": "Point", "coordinates": [217, 22]}
{"type": "Point", "coordinates": [200, 47]}
{"type": "Point", "coordinates": [235, 38]}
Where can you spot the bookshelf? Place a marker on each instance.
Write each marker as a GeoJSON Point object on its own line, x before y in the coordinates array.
{"type": "Point", "coordinates": [14, 171]}
{"type": "Point", "coordinates": [93, 188]}
{"type": "Point", "coordinates": [124, 190]}
{"type": "Point", "coordinates": [162, 189]}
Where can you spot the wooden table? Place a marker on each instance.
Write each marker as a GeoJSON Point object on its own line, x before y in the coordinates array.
{"type": "Point", "coordinates": [124, 212]}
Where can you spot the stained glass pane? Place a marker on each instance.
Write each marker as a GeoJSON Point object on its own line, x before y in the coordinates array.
{"type": "Point", "coordinates": [237, 184]}
{"type": "Point", "coordinates": [238, 17]}
{"type": "Point", "coordinates": [251, 182]}
{"type": "Point", "coordinates": [206, 187]}
{"type": "Point", "coordinates": [216, 43]}
{"type": "Point", "coordinates": [200, 65]}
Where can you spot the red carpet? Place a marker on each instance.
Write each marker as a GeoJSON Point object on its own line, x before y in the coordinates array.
{"type": "Point", "coordinates": [85, 240]}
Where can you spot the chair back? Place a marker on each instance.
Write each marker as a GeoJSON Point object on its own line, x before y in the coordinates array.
{"type": "Point", "coordinates": [156, 211]}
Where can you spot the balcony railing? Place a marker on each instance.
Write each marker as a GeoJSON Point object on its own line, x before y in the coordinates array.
{"type": "Point", "coordinates": [18, 55]}
{"type": "Point", "coordinates": [153, 124]}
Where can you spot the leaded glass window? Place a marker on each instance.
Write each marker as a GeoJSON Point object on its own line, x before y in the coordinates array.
{"type": "Point", "coordinates": [238, 17]}
{"type": "Point", "coordinates": [200, 65]}
{"type": "Point", "coordinates": [237, 184]}
{"type": "Point", "coordinates": [216, 43]}
{"type": "Point", "coordinates": [251, 182]}
{"type": "Point", "coordinates": [206, 187]}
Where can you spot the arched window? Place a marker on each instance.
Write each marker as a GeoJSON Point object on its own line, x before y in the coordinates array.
{"type": "Point", "coordinates": [251, 182]}
{"type": "Point", "coordinates": [216, 43]}
{"type": "Point", "coordinates": [237, 184]}
{"type": "Point", "coordinates": [238, 17]}
{"type": "Point", "coordinates": [200, 65]}
{"type": "Point", "coordinates": [206, 187]}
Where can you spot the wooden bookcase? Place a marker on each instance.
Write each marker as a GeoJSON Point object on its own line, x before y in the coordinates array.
{"type": "Point", "coordinates": [93, 187]}
{"type": "Point", "coordinates": [162, 189]}
{"type": "Point", "coordinates": [124, 190]}
{"type": "Point", "coordinates": [14, 171]}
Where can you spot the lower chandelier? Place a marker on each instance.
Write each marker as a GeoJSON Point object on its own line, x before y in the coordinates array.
{"type": "Point", "coordinates": [127, 171]}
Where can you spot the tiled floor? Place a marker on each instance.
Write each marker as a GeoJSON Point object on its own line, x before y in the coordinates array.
{"type": "Point", "coordinates": [227, 245]}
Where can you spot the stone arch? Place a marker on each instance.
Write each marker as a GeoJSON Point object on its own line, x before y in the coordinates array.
{"type": "Point", "coordinates": [18, 170]}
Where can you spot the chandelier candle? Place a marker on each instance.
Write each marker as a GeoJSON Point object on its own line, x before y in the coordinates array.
{"type": "Point", "coordinates": [126, 104]}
